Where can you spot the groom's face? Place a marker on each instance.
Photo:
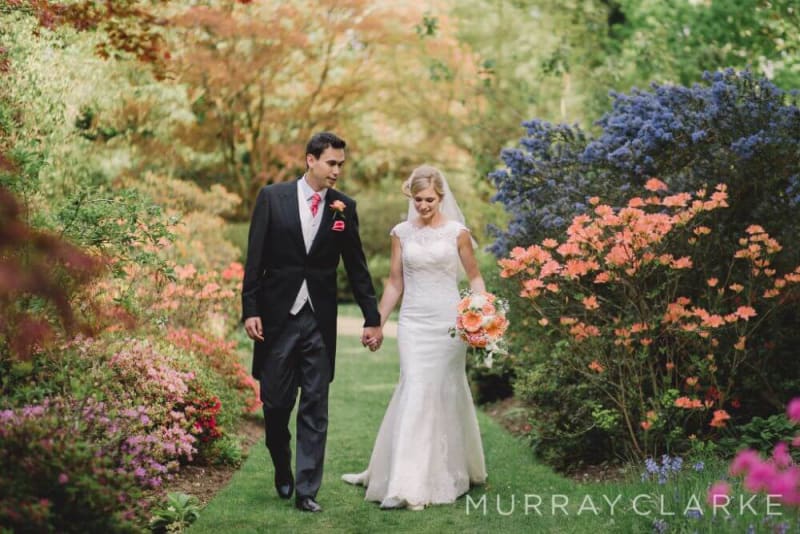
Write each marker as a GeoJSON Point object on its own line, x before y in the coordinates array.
{"type": "Point", "coordinates": [323, 171]}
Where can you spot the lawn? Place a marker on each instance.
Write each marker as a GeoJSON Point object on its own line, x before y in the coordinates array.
{"type": "Point", "coordinates": [360, 393]}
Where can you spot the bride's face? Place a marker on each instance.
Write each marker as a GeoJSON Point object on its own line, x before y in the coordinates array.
{"type": "Point", "coordinates": [427, 203]}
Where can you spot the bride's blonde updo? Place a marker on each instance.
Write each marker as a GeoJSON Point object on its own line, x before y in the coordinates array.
{"type": "Point", "coordinates": [422, 178]}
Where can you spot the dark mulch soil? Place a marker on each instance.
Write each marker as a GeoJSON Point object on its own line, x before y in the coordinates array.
{"type": "Point", "coordinates": [204, 481]}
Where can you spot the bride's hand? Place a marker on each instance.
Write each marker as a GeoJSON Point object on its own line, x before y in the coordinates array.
{"type": "Point", "coordinates": [372, 337]}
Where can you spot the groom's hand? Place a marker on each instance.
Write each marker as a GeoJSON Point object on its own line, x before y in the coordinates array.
{"type": "Point", "coordinates": [372, 337]}
{"type": "Point", "coordinates": [252, 325]}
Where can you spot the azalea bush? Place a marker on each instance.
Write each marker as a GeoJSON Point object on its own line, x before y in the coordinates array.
{"type": "Point", "coordinates": [647, 360]}
{"type": "Point", "coordinates": [112, 420]}
{"type": "Point", "coordinates": [221, 356]}
{"type": "Point", "coordinates": [179, 297]}
{"type": "Point", "coordinates": [733, 127]}
{"type": "Point", "coordinates": [184, 392]}
{"type": "Point", "coordinates": [54, 480]}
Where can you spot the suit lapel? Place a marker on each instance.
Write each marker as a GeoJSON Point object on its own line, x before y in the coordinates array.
{"type": "Point", "coordinates": [292, 214]}
{"type": "Point", "coordinates": [325, 223]}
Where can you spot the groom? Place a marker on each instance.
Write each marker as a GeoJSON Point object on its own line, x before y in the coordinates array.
{"type": "Point", "coordinates": [298, 232]}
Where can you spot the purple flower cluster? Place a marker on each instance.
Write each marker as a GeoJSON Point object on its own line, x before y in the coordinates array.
{"type": "Point", "coordinates": [149, 449]}
{"type": "Point", "coordinates": [733, 128]}
{"type": "Point", "coordinates": [61, 452]}
{"type": "Point", "coordinates": [662, 472]}
{"type": "Point", "coordinates": [660, 526]}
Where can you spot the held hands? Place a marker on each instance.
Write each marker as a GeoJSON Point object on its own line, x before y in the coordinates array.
{"type": "Point", "coordinates": [372, 337]}
{"type": "Point", "coordinates": [252, 325]}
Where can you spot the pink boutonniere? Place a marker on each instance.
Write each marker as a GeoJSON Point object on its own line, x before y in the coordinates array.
{"type": "Point", "coordinates": [338, 207]}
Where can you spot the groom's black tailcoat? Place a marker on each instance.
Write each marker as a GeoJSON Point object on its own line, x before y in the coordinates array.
{"type": "Point", "coordinates": [277, 264]}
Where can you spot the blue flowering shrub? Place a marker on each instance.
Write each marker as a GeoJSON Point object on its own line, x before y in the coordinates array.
{"type": "Point", "coordinates": [734, 129]}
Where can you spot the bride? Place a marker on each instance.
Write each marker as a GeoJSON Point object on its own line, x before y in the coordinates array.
{"type": "Point", "coordinates": [428, 449]}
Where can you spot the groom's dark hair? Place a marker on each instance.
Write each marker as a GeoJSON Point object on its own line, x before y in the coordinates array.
{"type": "Point", "coordinates": [322, 140]}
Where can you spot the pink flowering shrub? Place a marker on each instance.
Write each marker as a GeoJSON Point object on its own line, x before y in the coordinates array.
{"type": "Point", "coordinates": [179, 400]}
{"type": "Point", "coordinates": [144, 416]}
{"type": "Point", "coordinates": [777, 475]}
{"type": "Point", "coordinates": [651, 365]}
{"type": "Point", "coordinates": [55, 474]}
{"type": "Point", "coordinates": [166, 409]}
{"type": "Point", "coordinates": [118, 418]}
{"type": "Point", "coordinates": [220, 356]}
{"type": "Point", "coordinates": [192, 296]}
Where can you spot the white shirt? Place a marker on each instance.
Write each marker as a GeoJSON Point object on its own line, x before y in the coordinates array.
{"type": "Point", "coordinates": [310, 226]}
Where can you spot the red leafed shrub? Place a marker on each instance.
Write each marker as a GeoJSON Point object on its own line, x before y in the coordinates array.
{"type": "Point", "coordinates": [39, 273]}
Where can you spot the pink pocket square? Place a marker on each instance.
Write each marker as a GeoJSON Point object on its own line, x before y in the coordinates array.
{"type": "Point", "coordinates": [338, 226]}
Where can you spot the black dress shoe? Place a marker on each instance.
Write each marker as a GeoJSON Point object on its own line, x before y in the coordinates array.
{"type": "Point", "coordinates": [284, 486]}
{"type": "Point", "coordinates": [307, 504]}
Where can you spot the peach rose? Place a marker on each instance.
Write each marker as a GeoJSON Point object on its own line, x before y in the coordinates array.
{"type": "Point", "coordinates": [472, 321]}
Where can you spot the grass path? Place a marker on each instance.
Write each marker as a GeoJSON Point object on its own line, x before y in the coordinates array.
{"type": "Point", "coordinates": [359, 396]}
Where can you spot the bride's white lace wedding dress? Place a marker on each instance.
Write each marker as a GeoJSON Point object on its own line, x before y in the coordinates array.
{"type": "Point", "coordinates": [428, 449]}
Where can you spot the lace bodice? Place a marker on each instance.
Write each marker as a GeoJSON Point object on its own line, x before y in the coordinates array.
{"type": "Point", "coordinates": [430, 265]}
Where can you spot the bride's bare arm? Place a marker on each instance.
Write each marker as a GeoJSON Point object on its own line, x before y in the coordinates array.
{"type": "Point", "coordinates": [467, 255]}
{"type": "Point", "coordinates": [394, 287]}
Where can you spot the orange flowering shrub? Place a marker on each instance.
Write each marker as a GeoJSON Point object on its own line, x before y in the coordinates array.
{"type": "Point", "coordinates": [181, 297]}
{"type": "Point", "coordinates": [613, 298]}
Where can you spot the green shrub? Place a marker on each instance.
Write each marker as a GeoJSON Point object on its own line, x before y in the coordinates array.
{"type": "Point", "coordinates": [224, 451]}
{"type": "Point", "coordinates": [176, 514]}
{"type": "Point", "coordinates": [760, 434]}
{"type": "Point", "coordinates": [237, 233]}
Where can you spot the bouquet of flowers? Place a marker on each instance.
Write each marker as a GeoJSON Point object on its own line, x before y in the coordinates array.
{"type": "Point", "coordinates": [481, 323]}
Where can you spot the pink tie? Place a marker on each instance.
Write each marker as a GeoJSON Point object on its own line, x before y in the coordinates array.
{"type": "Point", "coordinates": [315, 198]}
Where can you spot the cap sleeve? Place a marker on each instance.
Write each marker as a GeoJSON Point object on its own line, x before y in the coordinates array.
{"type": "Point", "coordinates": [459, 227]}
{"type": "Point", "coordinates": [400, 230]}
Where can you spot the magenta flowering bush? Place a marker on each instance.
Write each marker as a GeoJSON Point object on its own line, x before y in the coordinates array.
{"type": "Point", "coordinates": [55, 478]}
{"type": "Point", "coordinates": [220, 356]}
{"type": "Point", "coordinates": [144, 448]}
{"type": "Point", "coordinates": [118, 418]}
{"type": "Point", "coordinates": [777, 475]}
{"type": "Point", "coordinates": [140, 365]}
{"type": "Point", "coordinates": [182, 414]}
